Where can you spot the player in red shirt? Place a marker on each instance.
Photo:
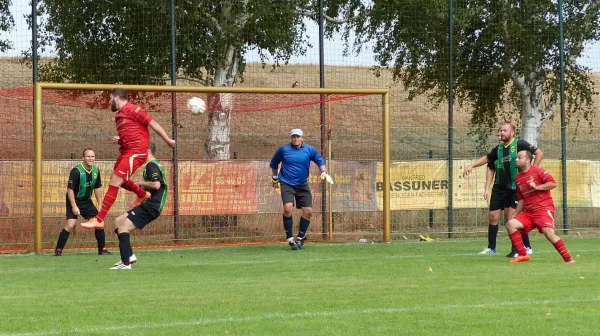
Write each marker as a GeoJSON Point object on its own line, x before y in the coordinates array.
{"type": "Point", "coordinates": [535, 208]}
{"type": "Point", "coordinates": [133, 138]}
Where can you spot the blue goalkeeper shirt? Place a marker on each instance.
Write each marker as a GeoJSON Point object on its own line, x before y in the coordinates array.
{"type": "Point", "coordinates": [295, 163]}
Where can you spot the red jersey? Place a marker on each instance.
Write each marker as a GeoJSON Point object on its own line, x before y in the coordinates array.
{"type": "Point", "coordinates": [534, 199]}
{"type": "Point", "coordinates": [132, 126]}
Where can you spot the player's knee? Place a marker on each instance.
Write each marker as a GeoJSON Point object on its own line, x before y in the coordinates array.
{"type": "Point", "coordinates": [287, 210]}
{"type": "Point", "coordinates": [307, 212]}
{"type": "Point", "coordinates": [550, 235]}
{"type": "Point", "coordinates": [494, 217]}
{"type": "Point", "coordinates": [116, 180]}
{"type": "Point", "coordinates": [126, 226]}
{"type": "Point", "coordinates": [70, 225]}
{"type": "Point", "coordinates": [513, 225]}
{"type": "Point", "coordinates": [119, 221]}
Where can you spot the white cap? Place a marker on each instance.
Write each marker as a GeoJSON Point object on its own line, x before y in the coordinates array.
{"type": "Point", "coordinates": [296, 131]}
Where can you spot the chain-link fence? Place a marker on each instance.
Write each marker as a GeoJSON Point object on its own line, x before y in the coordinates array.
{"type": "Point", "coordinates": [506, 65]}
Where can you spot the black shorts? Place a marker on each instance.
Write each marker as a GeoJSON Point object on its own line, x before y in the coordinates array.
{"type": "Point", "coordinates": [503, 198]}
{"type": "Point", "coordinates": [301, 194]}
{"type": "Point", "coordinates": [87, 209]}
{"type": "Point", "coordinates": [142, 215]}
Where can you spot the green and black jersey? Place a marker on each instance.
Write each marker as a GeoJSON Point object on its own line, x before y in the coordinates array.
{"type": "Point", "coordinates": [502, 159]}
{"type": "Point", "coordinates": [83, 181]}
{"type": "Point", "coordinates": [154, 172]}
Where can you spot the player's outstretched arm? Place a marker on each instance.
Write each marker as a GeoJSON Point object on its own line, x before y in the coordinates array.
{"type": "Point", "coordinates": [480, 162]}
{"type": "Point", "coordinates": [324, 176]}
{"type": "Point", "coordinates": [161, 132]}
{"type": "Point", "coordinates": [539, 156]}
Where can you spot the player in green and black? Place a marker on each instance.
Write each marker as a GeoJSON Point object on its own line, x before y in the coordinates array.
{"type": "Point", "coordinates": [83, 180]}
{"type": "Point", "coordinates": [501, 162]}
{"type": "Point", "coordinates": [140, 216]}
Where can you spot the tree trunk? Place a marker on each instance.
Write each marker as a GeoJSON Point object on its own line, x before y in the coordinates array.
{"type": "Point", "coordinates": [216, 145]}
{"type": "Point", "coordinates": [531, 121]}
{"type": "Point", "coordinates": [533, 114]}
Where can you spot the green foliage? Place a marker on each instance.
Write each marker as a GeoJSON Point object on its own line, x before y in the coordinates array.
{"type": "Point", "coordinates": [496, 44]}
{"type": "Point", "coordinates": [6, 23]}
{"type": "Point", "coordinates": [129, 41]}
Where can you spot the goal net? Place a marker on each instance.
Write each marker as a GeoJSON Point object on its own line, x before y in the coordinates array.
{"type": "Point", "coordinates": [219, 178]}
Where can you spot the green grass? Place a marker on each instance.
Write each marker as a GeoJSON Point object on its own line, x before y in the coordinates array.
{"type": "Point", "coordinates": [326, 289]}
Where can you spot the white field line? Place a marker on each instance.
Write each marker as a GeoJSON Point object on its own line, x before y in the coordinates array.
{"type": "Point", "coordinates": [284, 260]}
{"type": "Point", "coordinates": [278, 316]}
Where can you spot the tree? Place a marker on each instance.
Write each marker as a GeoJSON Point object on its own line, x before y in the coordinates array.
{"type": "Point", "coordinates": [6, 23]}
{"type": "Point", "coordinates": [506, 52]}
{"type": "Point", "coordinates": [130, 42]}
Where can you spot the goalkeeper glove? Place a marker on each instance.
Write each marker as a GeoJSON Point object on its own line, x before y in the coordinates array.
{"type": "Point", "coordinates": [326, 178]}
{"type": "Point", "coordinates": [275, 181]}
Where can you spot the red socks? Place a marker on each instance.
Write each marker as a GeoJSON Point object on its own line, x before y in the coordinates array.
{"type": "Point", "coordinates": [562, 249]}
{"type": "Point", "coordinates": [517, 242]}
{"type": "Point", "coordinates": [133, 187]}
{"type": "Point", "coordinates": [107, 202]}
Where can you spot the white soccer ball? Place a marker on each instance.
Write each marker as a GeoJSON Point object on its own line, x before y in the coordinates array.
{"type": "Point", "coordinates": [196, 105]}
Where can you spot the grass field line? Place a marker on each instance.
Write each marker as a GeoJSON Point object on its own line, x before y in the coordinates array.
{"type": "Point", "coordinates": [275, 261]}
{"type": "Point", "coordinates": [306, 314]}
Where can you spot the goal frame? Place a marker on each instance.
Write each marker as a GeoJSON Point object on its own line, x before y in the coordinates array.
{"type": "Point", "coordinates": [37, 134]}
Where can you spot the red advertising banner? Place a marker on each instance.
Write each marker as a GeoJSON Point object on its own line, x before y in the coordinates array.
{"type": "Point", "coordinates": [224, 187]}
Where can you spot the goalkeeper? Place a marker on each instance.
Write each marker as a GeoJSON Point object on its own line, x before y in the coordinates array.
{"type": "Point", "coordinates": [295, 159]}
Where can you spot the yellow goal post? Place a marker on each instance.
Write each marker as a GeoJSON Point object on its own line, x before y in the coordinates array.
{"type": "Point", "coordinates": [42, 109]}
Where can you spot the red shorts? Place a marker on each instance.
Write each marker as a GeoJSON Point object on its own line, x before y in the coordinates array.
{"type": "Point", "coordinates": [538, 219]}
{"type": "Point", "coordinates": [128, 163]}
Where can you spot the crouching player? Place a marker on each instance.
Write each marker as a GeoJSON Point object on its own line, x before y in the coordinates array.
{"type": "Point", "coordinates": [535, 208]}
{"type": "Point", "coordinates": [140, 216]}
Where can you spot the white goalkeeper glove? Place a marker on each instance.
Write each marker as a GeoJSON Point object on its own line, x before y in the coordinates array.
{"type": "Point", "coordinates": [325, 177]}
{"type": "Point", "coordinates": [275, 181]}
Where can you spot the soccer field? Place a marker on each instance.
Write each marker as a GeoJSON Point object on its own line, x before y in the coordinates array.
{"type": "Point", "coordinates": [403, 288]}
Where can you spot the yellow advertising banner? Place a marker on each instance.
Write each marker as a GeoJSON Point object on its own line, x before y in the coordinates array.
{"type": "Point", "coordinates": [244, 187]}
{"type": "Point", "coordinates": [17, 180]}
{"type": "Point", "coordinates": [424, 184]}
{"type": "Point", "coordinates": [414, 185]}
{"type": "Point", "coordinates": [579, 182]}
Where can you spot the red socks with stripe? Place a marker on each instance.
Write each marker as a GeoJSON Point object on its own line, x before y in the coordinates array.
{"type": "Point", "coordinates": [517, 241]}
{"type": "Point", "coordinates": [107, 202]}
{"type": "Point", "coordinates": [562, 249]}
{"type": "Point", "coordinates": [134, 187]}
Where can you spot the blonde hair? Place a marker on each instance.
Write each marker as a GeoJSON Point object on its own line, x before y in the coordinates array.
{"type": "Point", "coordinates": [512, 126]}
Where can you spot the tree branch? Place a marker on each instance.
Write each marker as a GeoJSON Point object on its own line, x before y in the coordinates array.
{"type": "Point", "coordinates": [214, 21]}
{"type": "Point", "coordinates": [329, 18]}
{"type": "Point", "coordinates": [204, 82]}
{"type": "Point", "coordinates": [549, 112]}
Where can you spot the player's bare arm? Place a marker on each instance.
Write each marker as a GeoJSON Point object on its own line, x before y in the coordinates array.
{"type": "Point", "coordinates": [480, 162]}
{"type": "Point", "coordinates": [161, 132]}
{"type": "Point", "coordinates": [544, 186]}
{"type": "Point", "coordinates": [98, 195]}
{"type": "Point", "coordinates": [71, 196]}
{"type": "Point", "coordinates": [539, 156]}
{"type": "Point", "coordinates": [489, 177]}
{"type": "Point", "coordinates": [149, 185]}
